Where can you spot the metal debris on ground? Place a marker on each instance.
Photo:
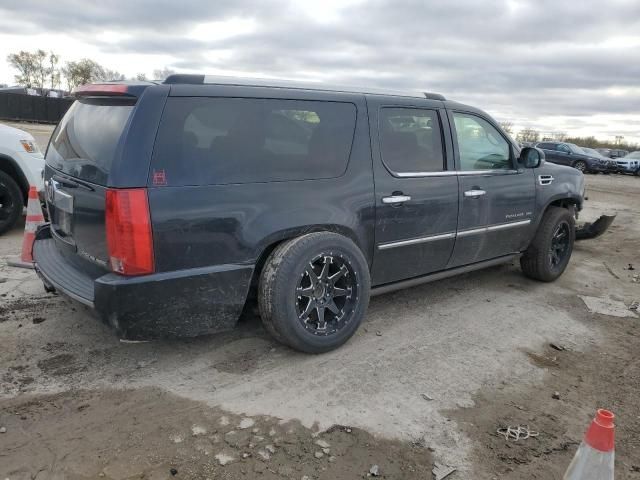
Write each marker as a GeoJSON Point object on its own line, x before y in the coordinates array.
{"type": "Point", "coordinates": [556, 395]}
{"type": "Point", "coordinates": [521, 432]}
{"type": "Point", "coordinates": [426, 397]}
{"type": "Point", "coordinates": [555, 346]}
{"type": "Point", "coordinates": [374, 471]}
{"type": "Point", "coordinates": [634, 306]}
{"type": "Point", "coordinates": [441, 471]}
{"type": "Point", "coordinates": [630, 267]}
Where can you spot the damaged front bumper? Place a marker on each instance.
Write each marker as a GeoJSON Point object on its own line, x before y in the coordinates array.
{"type": "Point", "coordinates": [590, 230]}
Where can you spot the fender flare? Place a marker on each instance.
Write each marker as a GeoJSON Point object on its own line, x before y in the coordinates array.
{"type": "Point", "coordinates": [557, 200]}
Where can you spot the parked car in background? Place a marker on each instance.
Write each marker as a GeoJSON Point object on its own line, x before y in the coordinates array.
{"type": "Point", "coordinates": [564, 153]}
{"type": "Point", "coordinates": [630, 163]}
{"type": "Point", "coordinates": [618, 153]}
{"type": "Point", "coordinates": [611, 164]}
{"type": "Point", "coordinates": [612, 152]}
{"type": "Point", "coordinates": [21, 165]}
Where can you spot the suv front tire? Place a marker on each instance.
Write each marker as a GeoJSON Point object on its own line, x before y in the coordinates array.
{"type": "Point", "coordinates": [314, 291]}
{"type": "Point", "coordinates": [549, 253]}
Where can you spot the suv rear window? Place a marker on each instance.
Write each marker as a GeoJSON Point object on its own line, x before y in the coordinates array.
{"type": "Point", "coordinates": [84, 143]}
{"type": "Point", "coordinates": [205, 141]}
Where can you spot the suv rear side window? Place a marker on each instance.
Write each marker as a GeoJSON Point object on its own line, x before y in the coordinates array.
{"type": "Point", "coordinates": [411, 140]}
{"type": "Point", "coordinates": [206, 141]}
{"type": "Point", "coordinates": [84, 143]}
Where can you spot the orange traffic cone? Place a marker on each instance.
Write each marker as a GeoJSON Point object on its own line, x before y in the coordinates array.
{"type": "Point", "coordinates": [34, 219]}
{"type": "Point", "coordinates": [595, 456]}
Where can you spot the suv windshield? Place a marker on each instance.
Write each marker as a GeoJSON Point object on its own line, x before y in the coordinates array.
{"type": "Point", "coordinates": [84, 143]}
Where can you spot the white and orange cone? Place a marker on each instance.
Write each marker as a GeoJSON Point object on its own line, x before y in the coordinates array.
{"type": "Point", "coordinates": [595, 456]}
{"type": "Point", "coordinates": [34, 219]}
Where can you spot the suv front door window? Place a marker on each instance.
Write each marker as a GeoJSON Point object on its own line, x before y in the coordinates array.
{"type": "Point", "coordinates": [496, 199]}
{"type": "Point", "coordinates": [481, 147]}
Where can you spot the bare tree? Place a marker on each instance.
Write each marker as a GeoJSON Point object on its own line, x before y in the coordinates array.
{"type": "Point", "coordinates": [54, 71]}
{"type": "Point", "coordinates": [162, 74]}
{"type": "Point", "coordinates": [507, 127]}
{"type": "Point", "coordinates": [141, 76]}
{"type": "Point", "coordinates": [110, 75]}
{"type": "Point", "coordinates": [81, 72]}
{"type": "Point", "coordinates": [24, 63]}
{"type": "Point", "coordinates": [528, 135]}
{"type": "Point", "coordinates": [41, 69]}
{"type": "Point", "coordinates": [560, 136]}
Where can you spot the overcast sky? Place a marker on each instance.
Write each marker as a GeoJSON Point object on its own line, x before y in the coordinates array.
{"type": "Point", "coordinates": [549, 64]}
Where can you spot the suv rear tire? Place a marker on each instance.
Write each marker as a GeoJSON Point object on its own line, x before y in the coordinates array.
{"type": "Point", "coordinates": [314, 291]}
{"type": "Point", "coordinates": [11, 202]}
{"type": "Point", "coordinates": [550, 251]}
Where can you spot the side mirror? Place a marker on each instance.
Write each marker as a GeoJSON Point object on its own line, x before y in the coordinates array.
{"type": "Point", "coordinates": [531, 157]}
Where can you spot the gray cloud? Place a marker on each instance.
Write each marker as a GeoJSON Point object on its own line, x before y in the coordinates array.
{"type": "Point", "coordinates": [521, 58]}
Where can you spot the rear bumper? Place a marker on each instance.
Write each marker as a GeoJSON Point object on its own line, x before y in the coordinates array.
{"type": "Point", "coordinates": [169, 304]}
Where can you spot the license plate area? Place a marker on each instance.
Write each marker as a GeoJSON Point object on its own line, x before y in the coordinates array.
{"type": "Point", "coordinates": [62, 215]}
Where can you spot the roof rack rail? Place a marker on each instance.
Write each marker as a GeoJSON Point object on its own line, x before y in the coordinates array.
{"type": "Point", "coordinates": [434, 96]}
{"type": "Point", "coordinates": [199, 79]}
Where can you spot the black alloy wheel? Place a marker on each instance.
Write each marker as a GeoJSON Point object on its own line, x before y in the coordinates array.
{"type": "Point", "coordinates": [326, 294]}
{"type": "Point", "coordinates": [314, 291]}
{"type": "Point", "coordinates": [560, 243]}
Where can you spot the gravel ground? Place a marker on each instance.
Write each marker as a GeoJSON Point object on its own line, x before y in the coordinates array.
{"type": "Point", "coordinates": [432, 374]}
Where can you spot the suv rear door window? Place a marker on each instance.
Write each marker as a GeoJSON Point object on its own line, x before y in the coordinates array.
{"type": "Point", "coordinates": [206, 141]}
{"type": "Point", "coordinates": [411, 140]}
{"type": "Point", "coordinates": [84, 143]}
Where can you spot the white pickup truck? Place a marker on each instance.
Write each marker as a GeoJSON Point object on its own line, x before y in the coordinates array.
{"type": "Point", "coordinates": [21, 165]}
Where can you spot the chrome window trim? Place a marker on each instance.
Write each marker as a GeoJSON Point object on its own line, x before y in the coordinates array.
{"type": "Point", "coordinates": [447, 173]}
{"type": "Point", "coordinates": [462, 233]}
{"type": "Point", "coordinates": [413, 241]}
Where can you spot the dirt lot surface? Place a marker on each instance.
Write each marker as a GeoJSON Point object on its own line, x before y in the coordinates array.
{"type": "Point", "coordinates": [432, 374]}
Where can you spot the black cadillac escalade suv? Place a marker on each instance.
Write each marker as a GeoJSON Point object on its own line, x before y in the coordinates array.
{"type": "Point", "coordinates": [173, 205]}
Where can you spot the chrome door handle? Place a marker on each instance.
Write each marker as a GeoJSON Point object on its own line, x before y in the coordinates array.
{"type": "Point", "coordinates": [474, 193]}
{"type": "Point", "coordinates": [394, 199]}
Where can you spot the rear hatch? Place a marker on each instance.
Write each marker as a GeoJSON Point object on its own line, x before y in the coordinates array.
{"type": "Point", "coordinates": [81, 153]}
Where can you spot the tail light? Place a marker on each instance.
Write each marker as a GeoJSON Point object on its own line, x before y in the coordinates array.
{"type": "Point", "coordinates": [128, 225]}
